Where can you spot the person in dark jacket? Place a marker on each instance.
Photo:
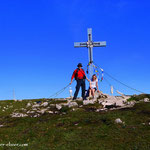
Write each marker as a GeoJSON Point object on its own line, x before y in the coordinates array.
{"type": "Point", "coordinates": [80, 77]}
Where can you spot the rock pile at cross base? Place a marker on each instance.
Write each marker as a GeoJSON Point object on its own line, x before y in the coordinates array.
{"type": "Point", "coordinates": [103, 102]}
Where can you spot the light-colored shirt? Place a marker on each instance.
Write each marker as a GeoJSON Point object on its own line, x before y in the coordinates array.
{"type": "Point", "coordinates": [93, 83]}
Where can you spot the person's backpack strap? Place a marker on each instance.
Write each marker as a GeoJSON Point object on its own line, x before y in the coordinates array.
{"type": "Point", "coordinates": [76, 75]}
{"type": "Point", "coordinates": [83, 72]}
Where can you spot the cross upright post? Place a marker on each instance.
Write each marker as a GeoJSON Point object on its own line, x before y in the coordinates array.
{"type": "Point", "coordinates": [90, 44]}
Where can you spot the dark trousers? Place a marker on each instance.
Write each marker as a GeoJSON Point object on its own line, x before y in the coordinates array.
{"type": "Point", "coordinates": [80, 83]}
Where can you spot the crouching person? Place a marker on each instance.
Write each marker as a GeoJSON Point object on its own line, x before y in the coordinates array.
{"type": "Point", "coordinates": [93, 86]}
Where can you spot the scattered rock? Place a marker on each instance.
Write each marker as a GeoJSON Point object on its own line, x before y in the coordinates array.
{"type": "Point", "coordinates": [30, 112]}
{"type": "Point", "coordinates": [126, 97]}
{"type": "Point", "coordinates": [102, 109]}
{"type": "Point", "coordinates": [101, 95]}
{"type": "Point", "coordinates": [108, 104]}
{"type": "Point", "coordinates": [50, 112]}
{"type": "Point", "coordinates": [19, 115]}
{"type": "Point", "coordinates": [64, 113]}
{"type": "Point", "coordinates": [120, 103]}
{"type": "Point", "coordinates": [119, 121]}
{"type": "Point", "coordinates": [23, 109]}
{"type": "Point", "coordinates": [72, 104]}
{"type": "Point", "coordinates": [1, 125]}
{"type": "Point", "coordinates": [74, 109]}
{"type": "Point", "coordinates": [146, 99]}
{"type": "Point", "coordinates": [131, 103]}
{"type": "Point", "coordinates": [58, 106]}
{"type": "Point", "coordinates": [42, 111]}
{"type": "Point", "coordinates": [56, 112]}
{"type": "Point", "coordinates": [45, 104]}
{"type": "Point", "coordinates": [86, 102]}
{"type": "Point", "coordinates": [28, 104]}
{"type": "Point", "coordinates": [36, 115]}
{"type": "Point", "coordinates": [36, 105]}
{"type": "Point", "coordinates": [111, 98]}
{"type": "Point", "coordinates": [34, 109]}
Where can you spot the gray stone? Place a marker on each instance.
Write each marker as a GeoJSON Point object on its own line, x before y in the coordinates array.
{"type": "Point", "coordinates": [50, 112]}
{"type": "Point", "coordinates": [30, 112]}
{"type": "Point", "coordinates": [19, 115]}
{"type": "Point", "coordinates": [72, 104]}
{"type": "Point", "coordinates": [36, 115]}
{"type": "Point", "coordinates": [56, 112]}
{"type": "Point", "coordinates": [131, 103]}
{"type": "Point", "coordinates": [111, 98]}
{"type": "Point", "coordinates": [28, 104]}
{"type": "Point", "coordinates": [45, 104]}
{"type": "Point", "coordinates": [64, 113]}
{"type": "Point", "coordinates": [146, 99]}
{"type": "Point", "coordinates": [120, 103]}
{"type": "Point", "coordinates": [119, 121]}
{"type": "Point", "coordinates": [58, 106]}
{"type": "Point", "coordinates": [42, 111]}
{"type": "Point", "coordinates": [101, 109]}
{"type": "Point", "coordinates": [36, 105]}
{"type": "Point", "coordinates": [86, 102]}
{"type": "Point", "coordinates": [108, 104]}
{"type": "Point", "coordinates": [74, 109]}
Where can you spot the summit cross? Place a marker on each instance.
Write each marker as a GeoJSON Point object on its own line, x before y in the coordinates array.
{"type": "Point", "coordinates": [90, 44]}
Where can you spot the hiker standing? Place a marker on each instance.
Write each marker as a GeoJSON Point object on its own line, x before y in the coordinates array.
{"type": "Point", "coordinates": [80, 77]}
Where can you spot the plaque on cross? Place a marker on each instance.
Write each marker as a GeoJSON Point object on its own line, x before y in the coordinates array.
{"type": "Point", "coordinates": [90, 44]}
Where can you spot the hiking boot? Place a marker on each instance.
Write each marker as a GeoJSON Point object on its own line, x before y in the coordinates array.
{"type": "Point", "coordinates": [74, 99]}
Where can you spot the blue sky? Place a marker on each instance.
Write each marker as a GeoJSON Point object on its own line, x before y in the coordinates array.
{"type": "Point", "coordinates": [37, 54]}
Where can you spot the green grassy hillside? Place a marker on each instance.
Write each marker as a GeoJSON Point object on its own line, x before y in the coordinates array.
{"type": "Point", "coordinates": [78, 129]}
